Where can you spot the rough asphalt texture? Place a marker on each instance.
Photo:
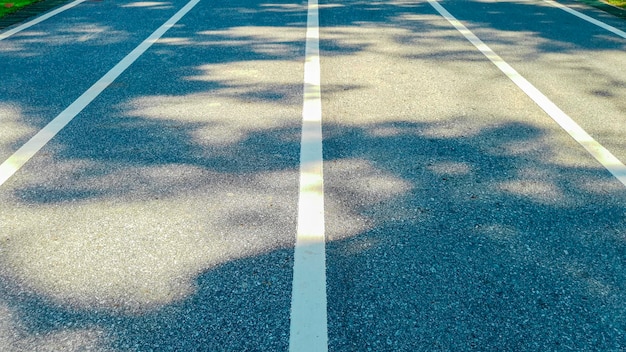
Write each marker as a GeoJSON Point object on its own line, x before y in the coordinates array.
{"type": "Point", "coordinates": [459, 216]}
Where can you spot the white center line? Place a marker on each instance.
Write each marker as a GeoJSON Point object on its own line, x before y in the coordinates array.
{"type": "Point", "coordinates": [308, 330]}
{"type": "Point", "coordinates": [587, 18]}
{"type": "Point", "coordinates": [30, 148]}
{"type": "Point", "coordinates": [603, 155]}
{"type": "Point", "coordinates": [39, 19]}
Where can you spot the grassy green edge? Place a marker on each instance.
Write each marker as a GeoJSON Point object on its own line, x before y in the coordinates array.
{"type": "Point", "coordinates": [618, 3]}
{"type": "Point", "coordinates": [606, 6]}
{"type": "Point", "coordinates": [16, 5]}
{"type": "Point", "coordinates": [22, 9]}
{"type": "Point", "coordinates": [617, 8]}
{"type": "Point", "coordinates": [19, 12]}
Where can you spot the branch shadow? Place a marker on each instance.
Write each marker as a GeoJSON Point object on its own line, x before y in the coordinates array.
{"type": "Point", "coordinates": [450, 243]}
{"type": "Point", "coordinates": [460, 259]}
{"type": "Point", "coordinates": [487, 251]}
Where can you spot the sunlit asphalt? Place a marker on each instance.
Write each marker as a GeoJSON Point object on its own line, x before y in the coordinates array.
{"type": "Point", "coordinates": [458, 215]}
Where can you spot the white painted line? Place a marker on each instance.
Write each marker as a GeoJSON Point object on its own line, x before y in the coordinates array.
{"type": "Point", "coordinates": [308, 330]}
{"type": "Point", "coordinates": [39, 19]}
{"type": "Point", "coordinates": [587, 18]}
{"type": "Point", "coordinates": [28, 150]}
{"type": "Point", "coordinates": [605, 157]}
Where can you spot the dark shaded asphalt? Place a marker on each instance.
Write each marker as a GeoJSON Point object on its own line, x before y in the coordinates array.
{"type": "Point", "coordinates": [459, 216]}
{"type": "Point", "coordinates": [29, 12]}
{"type": "Point", "coordinates": [162, 217]}
{"type": "Point", "coordinates": [472, 222]}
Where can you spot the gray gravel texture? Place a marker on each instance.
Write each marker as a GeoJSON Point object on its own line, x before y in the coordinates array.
{"type": "Point", "coordinates": [46, 67]}
{"type": "Point", "coordinates": [459, 216]}
{"type": "Point", "coordinates": [163, 217]}
{"type": "Point", "coordinates": [471, 221]}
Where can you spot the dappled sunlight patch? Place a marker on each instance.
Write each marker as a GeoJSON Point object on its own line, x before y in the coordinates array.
{"type": "Point", "coordinates": [156, 5]}
{"type": "Point", "coordinates": [212, 114]}
{"type": "Point", "coordinates": [189, 108]}
{"type": "Point", "coordinates": [91, 33]}
{"type": "Point", "coordinates": [350, 223]}
{"type": "Point", "coordinates": [255, 38]}
{"type": "Point", "coordinates": [13, 127]}
{"type": "Point", "coordinates": [551, 146]}
{"type": "Point", "coordinates": [128, 253]}
{"type": "Point", "coordinates": [16, 48]}
{"type": "Point", "coordinates": [416, 17]}
{"type": "Point", "coordinates": [360, 245]}
{"type": "Point", "coordinates": [358, 186]}
{"type": "Point", "coordinates": [348, 37]}
{"type": "Point", "coordinates": [68, 340]}
{"type": "Point", "coordinates": [182, 41]}
{"type": "Point", "coordinates": [598, 288]}
{"type": "Point", "coordinates": [593, 284]}
{"type": "Point", "coordinates": [522, 147]}
{"type": "Point", "coordinates": [455, 128]}
{"type": "Point", "coordinates": [106, 261]}
{"type": "Point", "coordinates": [276, 7]}
{"type": "Point", "coordinates": [15, 336]}
{"type": "Point", "coordinates": [386, 131]}
{"type": "Point", "coordinates": [276, 180]}
{"type": "Point", "coordinates": [248, 73]}
{"type": "Point", "coordinates": [602, 187]}
{"type": "Point", "coordinates": [330, 6]}
{"type": "Point", "coordinates": [537, 184]}
{"type": "Point", "coordinates": [498, 232]}
{"type": "Point", "coordinates": [95, 34]}
{"type": "Point", "coordinates": [8, 326]}
{"type": "Point", "coordinates": [30, 33]}
{"type": "Point", "coordinates": [540, 191]}
{"type": "Point", "coordinates": [272, 49]}
{"type": "Point", "coordinates": [451, 168]}
{"type": "Point", "coordinates": [221, 116]}
{"type": "Point", "coordinates": [362, 179]}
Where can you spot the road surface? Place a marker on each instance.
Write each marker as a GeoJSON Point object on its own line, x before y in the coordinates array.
{"type": "Point", "coordinates": [345, 176]}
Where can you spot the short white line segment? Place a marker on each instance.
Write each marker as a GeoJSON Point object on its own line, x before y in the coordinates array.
{"type": "Point", "coordinates": [28, 150]}
{"type": "Point", "coordinates": [308, 330]}
{"type": "Point", "coordinates": [587, 18]}
{"type": "Point", "coordinates": [39, 19]}
{"type": "Point", "coordinates": [604, 156]}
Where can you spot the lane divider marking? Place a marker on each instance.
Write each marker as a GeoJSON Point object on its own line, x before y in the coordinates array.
{"type": "Point", "coordinates": [587, 18]}
{"type": "Point", "coordinates": [30, 148]}
{"type": "Point", "coordinates": [600, 153]}
{"type": "Point", "coordinates": [39, 19]}
{"type": "Point", "coordinates": [308, 323]}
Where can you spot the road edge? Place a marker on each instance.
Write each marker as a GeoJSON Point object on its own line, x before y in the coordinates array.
{"type": "Point", "coordinates": [606, 7]}
{"type": "Point", "coordinates": [29, 12]}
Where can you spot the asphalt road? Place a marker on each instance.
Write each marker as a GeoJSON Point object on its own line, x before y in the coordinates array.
{"type": "Point", "coordinates": [459, 215]}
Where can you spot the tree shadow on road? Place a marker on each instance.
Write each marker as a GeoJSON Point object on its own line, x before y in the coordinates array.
{"type": "Point", "coordinates": [436, 241]}
{"type": "Point", "coordinates": [466, 249]}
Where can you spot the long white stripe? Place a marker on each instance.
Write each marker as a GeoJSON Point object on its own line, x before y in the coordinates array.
{"type": "Point", "coordinates": [605, 157]}
{"type": "Point", "coordinates": [587, 18]}
{"type": "Point", "coordinates": [39, 19]}
{"type": "Point", "coordinates": [308, 330]}
{"type": "Point", "coordinates": [28, 150]}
